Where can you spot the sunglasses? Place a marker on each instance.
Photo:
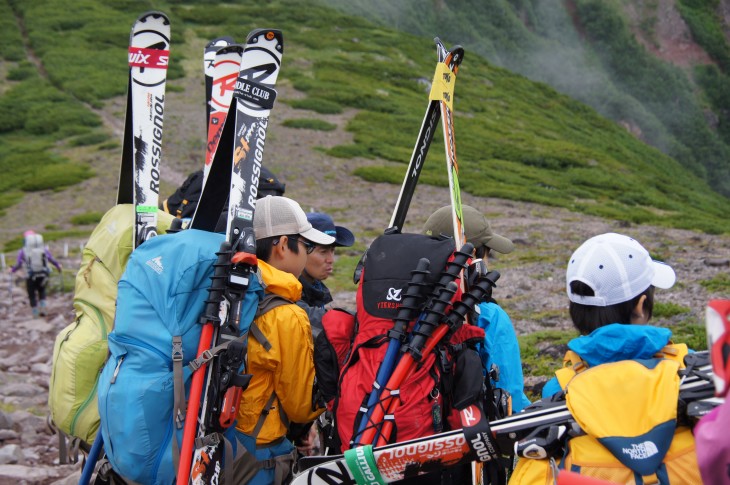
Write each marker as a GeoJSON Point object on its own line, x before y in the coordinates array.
{"type": "Point", "coordinates": [309, 246]}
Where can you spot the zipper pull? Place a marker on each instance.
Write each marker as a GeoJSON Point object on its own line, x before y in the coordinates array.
{"type": "Point", "coordinates": [116, 370]}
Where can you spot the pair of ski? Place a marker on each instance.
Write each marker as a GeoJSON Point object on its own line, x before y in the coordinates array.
{"type": "Point", "coordinates": [236, 140]}
{"type": "Point", "coordinates": [527, 432]}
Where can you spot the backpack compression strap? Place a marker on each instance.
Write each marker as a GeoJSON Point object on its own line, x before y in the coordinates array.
{"type": "Point", "coordinates": [573, 364]}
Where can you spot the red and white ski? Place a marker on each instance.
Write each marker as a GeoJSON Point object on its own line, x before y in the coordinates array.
{"type": "Point", "coordinates": [139, 176]}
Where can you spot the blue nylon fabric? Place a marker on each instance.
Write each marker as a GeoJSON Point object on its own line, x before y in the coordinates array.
{"type": "Point", "coordinates": [161, 294]}
{"type": "Point", "coordinates": [616, 342]}
{"type": "Point", "coordinates": [500, 347]}
{"type": "Point", "coordinates": [264, 476]}
{"type": "Point", "coordinates": [613, 343]}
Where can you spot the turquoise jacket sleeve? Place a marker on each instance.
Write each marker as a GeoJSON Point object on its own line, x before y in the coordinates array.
{"type": "Point", "coordinates": [551, 387]}
{"type": "Point", "coordinates": [500, 347]}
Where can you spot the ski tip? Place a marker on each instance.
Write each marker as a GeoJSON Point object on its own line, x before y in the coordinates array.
{"type": "Point", "coordinates": [229, 48]}
{"type": "Point", "coordinates": [224, 41]}
{"type": "Point", "coordinates": [154, 14]}
{"type": "Point", "coordinates": [268, 35]}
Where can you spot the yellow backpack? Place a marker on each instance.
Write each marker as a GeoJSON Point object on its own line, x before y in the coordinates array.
{"type": "Point", "coordinates": [630, 436]}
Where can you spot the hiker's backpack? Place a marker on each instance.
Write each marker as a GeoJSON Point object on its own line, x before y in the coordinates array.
{"type": "Point", "coordinates": [142, 387]}
{"type": "Point", "coordinates": [360, 341]}
{"type": "Point", "coordinates": [34, 252]}
{"type": "Point", "coordinates": [184, 200]}
{"type": "Point", "coordinates": [631, 436]}
{"type": "Point", "coordinates": [80, 349]}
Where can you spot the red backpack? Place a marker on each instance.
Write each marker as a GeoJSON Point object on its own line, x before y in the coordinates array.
{"type": "Point", "coordinates": [360, 341]}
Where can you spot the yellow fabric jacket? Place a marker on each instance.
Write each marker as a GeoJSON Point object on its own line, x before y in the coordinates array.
{"type": "Point", "coordinates": [286, 369]}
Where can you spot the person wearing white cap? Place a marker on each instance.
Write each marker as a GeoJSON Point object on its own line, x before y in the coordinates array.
{"type": "Point", "coordinates": [280, 357]}
{"type": "Point", "coordinates": [627, 409]}
{"type": "Point", "coordinates": [610, 281]}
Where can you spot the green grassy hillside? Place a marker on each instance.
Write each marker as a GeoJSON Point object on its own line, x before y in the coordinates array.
{"type": "Point", "coordinates": [600, 52]}
{"type": "Point", "coordinates": [516, 139]}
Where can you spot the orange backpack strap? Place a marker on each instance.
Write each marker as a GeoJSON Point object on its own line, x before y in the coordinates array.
{"type": "Point", "coordinates": [572, 365]}
{"type": "Point", "coordinates": [676, 352]}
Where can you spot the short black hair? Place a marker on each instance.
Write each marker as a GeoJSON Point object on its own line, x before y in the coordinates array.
{"type": "Point", "coordinates": [587, 318]}
{"type": "Point", "coordinates": [264, 246]}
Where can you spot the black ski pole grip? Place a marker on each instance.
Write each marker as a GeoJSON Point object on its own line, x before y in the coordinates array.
{"type": "Point", "coordinates": [218, 285]}
{"type": "Point", "coordinates": [411, 300]}
{"type": "Point", "coordinates": [454, 267]}
{"type": "Point", "coordinates": [434, 315]}
{"type": "Point", "coordinates": [470, 299]}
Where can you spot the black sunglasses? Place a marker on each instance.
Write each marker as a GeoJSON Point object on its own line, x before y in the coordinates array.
{"type": "Point", "coordinates": [308, 245]}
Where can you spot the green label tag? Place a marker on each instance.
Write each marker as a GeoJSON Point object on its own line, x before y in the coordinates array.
{"type": "Point", "coordinates": [146, 208]}
{"type": "Point", "coordinates": [361, 462]}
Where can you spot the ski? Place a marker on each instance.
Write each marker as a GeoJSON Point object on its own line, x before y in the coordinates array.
{"type": "Point", "coordinates": [139, 173]}
{"type": "Point", "coordinates": [442, 92]}
{"type": "Point", "coordinates": [139, 178]}
{"type": "Point", "coordinates": [397, 461]}
{"type": "Point", "coordinates": [253, 99]}
{"type": "Point", "coordinates": [224, 71]}
{"type": "Point", "coordinates": [423, 142]}
{"type": "Point", "coordinates": [226, 65]}
{"type": "Point", "coordinates": [209, 52]}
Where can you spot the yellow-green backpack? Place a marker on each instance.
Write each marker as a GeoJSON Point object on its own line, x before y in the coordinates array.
{"type": "Point", "coordinates": [80, 349]}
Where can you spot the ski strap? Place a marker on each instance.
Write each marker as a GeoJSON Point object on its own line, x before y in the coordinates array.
{"type": "Point", "coordinates": [361, 462]}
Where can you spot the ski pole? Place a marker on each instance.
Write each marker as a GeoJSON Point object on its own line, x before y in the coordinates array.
{"type": "Point", "coordinates": [441, 292]}
{"type": "Point", "coordinates": [91, 460]}
{"type": "Point", "coordinates": [418, 347]}
{"type": "Point", "coordinates": [211, 321]}
{"type": "Point", "coordinates": [397, 336]}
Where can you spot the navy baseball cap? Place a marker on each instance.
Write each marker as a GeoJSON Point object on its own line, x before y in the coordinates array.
{"type": "Point", "coordinates": [324, 223]}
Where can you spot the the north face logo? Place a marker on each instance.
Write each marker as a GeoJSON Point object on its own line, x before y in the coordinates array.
{"type": "Point", "coordinates": [393, 294]}
{"type": "Point", "coordinates": [156, 264]}
{"type": "Point", "coordinates": [641, 451]}
{"type": "Point", "coordinates": [112, 228]}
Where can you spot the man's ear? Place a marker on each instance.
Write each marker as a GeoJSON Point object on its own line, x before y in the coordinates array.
{"type": "Point", "coordinates": [279, 247]}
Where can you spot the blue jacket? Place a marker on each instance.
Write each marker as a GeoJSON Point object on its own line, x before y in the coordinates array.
{"type": "Point", "coordinates": [612, 343]}
{"type": "Point", "coordinates": [500, 347]}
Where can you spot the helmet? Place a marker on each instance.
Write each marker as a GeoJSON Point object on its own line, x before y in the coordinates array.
{"type": "Point", "coordinates": [29, 232]}
{"type": "Point", "coordinates": [718, 343]}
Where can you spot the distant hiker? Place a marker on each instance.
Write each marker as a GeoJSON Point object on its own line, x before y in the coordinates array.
{"type": "Point", "coordinates": [627, 410]}
{"type": "Point", "coordinates": [35, 256]}
{"type": "Point", "coordinates": [183, 202]}
{"type": "Point", "coordinates": [499, 351]}
{"type": "Point", "coordinates": [281, 389]}
{"type": "Point", "coordinates": [315, 295]}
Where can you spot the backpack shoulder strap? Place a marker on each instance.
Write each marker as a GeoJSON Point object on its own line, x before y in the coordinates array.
{"type": "Point", "coordinates": [269, 302]}
{"type": "Point", "coordinates": [572, 365]}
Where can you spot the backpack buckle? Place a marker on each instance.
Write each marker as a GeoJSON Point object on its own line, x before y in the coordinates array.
{"type": "Point", "coordinates": [177, 349]}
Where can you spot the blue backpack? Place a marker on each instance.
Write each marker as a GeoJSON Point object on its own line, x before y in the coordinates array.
{"type": "Point", "coordinates": [161, 297]}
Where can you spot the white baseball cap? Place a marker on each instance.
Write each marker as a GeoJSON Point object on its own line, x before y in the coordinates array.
{"type": "Point", "coordinates": [280, 216]}
{"type": "Point", "coordinates": [617, 268]}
